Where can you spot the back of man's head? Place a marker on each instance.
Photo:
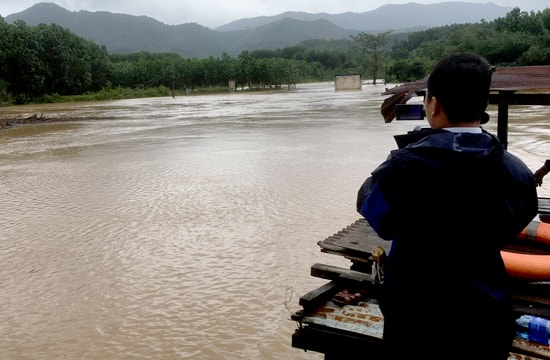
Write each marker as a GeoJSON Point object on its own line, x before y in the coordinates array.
{"type": "Point", "coordinates": [461, 83]}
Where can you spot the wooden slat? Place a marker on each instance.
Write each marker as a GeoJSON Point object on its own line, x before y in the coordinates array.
{"type": "Point", "coordinates": [527, 350]}
{"type": "Point", "coordinates": [357, 240]}
{"type": "Point", "coordinates": [337, 273]}
{"type": "Point", "coordinates": [315, 297]}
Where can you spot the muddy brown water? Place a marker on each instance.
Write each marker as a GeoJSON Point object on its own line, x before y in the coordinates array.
{"type": "Point", "coordinates": [185, 228]}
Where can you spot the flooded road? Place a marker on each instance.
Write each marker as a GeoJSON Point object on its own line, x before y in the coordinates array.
{"type": "Point", "coordinates": [185, 228]}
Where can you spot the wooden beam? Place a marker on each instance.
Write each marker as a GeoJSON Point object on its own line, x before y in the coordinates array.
{"type": "Point", "coordinates": [335, 273]}
{"type": "Point", "coordinates": [502, 124]}
{"type": "Point", "coordinates": [510, 98]}
{"type": "Point", "coordinates": [314, 297]}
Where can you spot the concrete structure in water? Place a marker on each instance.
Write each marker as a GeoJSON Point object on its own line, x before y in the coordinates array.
{"type": "Point", "coordinates": [347, 82]}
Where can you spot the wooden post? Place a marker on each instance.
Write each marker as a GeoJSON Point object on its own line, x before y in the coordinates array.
{"type": "Point", "coordinates": [502, 125]}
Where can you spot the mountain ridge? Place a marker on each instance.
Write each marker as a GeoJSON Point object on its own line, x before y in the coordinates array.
{"type": "Point", "coordinates": [122, 33]}
{"type": "Point", "coordinates": [377, 19]}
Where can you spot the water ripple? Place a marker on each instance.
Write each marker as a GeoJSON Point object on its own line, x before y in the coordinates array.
{"type": "Point", "coordinates": [175, 228]}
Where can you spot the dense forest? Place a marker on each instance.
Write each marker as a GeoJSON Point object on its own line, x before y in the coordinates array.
{"type": "Point", "coordinates": [43, 62]}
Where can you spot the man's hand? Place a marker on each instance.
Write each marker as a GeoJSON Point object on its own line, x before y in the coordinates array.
{"type": "Point", "coordinates": [539, 174]}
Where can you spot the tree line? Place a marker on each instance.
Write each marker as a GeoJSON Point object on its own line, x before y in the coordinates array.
{"type": "Point", "coordinates": [518, 39]}
{"type": "Point", "coordinates": [48, 59]}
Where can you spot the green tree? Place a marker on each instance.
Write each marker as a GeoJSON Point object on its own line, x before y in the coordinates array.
{"type": "Point", "coordinates": [405, 70]}
{"type": "Point", "coordinates": [23, 65]}
{"type": "Point", "coordinates": [66, 66]}
{"type": "Point", "coordinates": [371, 48]}
{"type": "Point", "coordinates": [517, 21]}
{"type": "Point", "coordinates": [244, 72]}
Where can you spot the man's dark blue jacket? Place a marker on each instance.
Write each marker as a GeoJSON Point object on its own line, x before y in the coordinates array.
{"type": "Point", "coordinates": [448, 201]}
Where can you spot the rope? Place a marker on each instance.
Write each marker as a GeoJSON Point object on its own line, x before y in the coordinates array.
{"type": "Point", "coordinates": [288, 298]}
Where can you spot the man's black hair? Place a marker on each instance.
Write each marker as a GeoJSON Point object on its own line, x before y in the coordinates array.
{"type": "Point", "coordinates": [461, 83]}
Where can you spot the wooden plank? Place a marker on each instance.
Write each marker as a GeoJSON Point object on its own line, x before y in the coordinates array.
{"type": "Point", "coordinates": [340, 345]}
{"type": "Point", "coordinates": [336, 273]}
{"type": "Point", "coordinates": [531, 298]}
{"type": "Point", "coordinates": [328, 327]}
{"type": "Point", "coordinates": [317, 296]}
{"type": "Point", "coordinates": [336, 344]}
{"type": "Point", "coordinates": [519, 99]}
{"type": "Point", "coordinates": [527, 350]}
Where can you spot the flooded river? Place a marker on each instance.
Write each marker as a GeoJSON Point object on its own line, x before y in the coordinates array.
{"type": "Point", "coordinates": [185, 228]}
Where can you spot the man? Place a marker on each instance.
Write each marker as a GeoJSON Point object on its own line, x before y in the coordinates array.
{"type": "Point", "coordinates": [449, 199]}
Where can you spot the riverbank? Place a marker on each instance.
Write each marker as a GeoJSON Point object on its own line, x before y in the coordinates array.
{"type": "Point", "coordinates": [123, 93]}
{"type": "Point", "coordinates": [19, 118]}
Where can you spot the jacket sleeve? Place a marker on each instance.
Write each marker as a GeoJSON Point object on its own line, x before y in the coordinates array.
{"type": "Point", "coordinates": [372, 204]}
{"type": "Point", "coordinates": [363, 192]}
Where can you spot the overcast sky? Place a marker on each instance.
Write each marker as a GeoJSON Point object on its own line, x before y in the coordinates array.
{"type": "Point", "coordinates": [214, 13]}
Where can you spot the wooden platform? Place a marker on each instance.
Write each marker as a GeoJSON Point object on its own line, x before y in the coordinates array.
{"type": "Point", "coordinates": [338, 331]}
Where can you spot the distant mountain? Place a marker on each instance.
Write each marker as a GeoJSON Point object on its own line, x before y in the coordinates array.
{"type": "Point", "coordinates": [281, 33]}
{"type": "Point", "coordinates": [390, 17]}
{"type": "Point", "coordinates": [121, 33]}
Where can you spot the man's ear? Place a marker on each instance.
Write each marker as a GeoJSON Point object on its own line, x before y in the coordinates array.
{"type": "Point", "coordinates": [437, 109]}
